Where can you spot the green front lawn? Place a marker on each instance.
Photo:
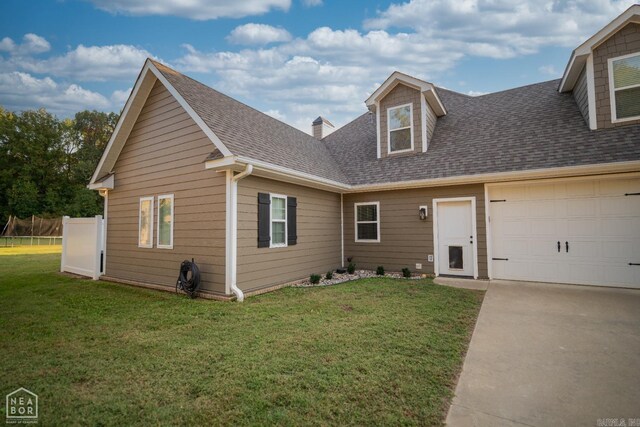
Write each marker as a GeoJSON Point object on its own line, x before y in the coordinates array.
{"type": "Point", "coordinates": [378, 351]}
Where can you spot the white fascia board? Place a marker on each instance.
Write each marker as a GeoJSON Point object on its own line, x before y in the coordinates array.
{"type": "Point", "coordinates": [561, 172]}
{"type": "Point", "coordinates": [580, 54]}
{"type": "Point", "coordinates": [268, 170]}
{"type": "Point", "coordinates": [427, 89]}
{"type": "Point", "coordinates": [132, 109]}
{"type": "Point", "coordinates": [434, 101]}
{"type": "Point", "coordinates": [196, 118]}
{"type": "Point", "coordinates": [105, 184]}
{"type": "Point", "coordinates": [141, 89]}
{"type": "Point", "coordinates": [391, 82]}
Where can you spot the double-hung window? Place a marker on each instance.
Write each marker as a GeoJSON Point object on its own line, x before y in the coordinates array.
{"type": "Point", "coordinates": [165, 221]}
{"type": "Point", "coordinates": [624, 85]}
{"type": "Point", "coordinates": [145, 222]}
{"type": "Point", "coordinates": [367, 222]}
{"type": "Point", "coordinates": [400, 128]}
{"type": "Point", "coordinates": [278, 221]}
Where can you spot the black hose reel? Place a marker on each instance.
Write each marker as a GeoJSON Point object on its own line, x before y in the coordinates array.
{"type": "Point", "coordinates": [189, 278]}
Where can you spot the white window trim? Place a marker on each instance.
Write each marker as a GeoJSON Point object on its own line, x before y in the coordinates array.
{"type": "Point", "coordinates": [144, 199]}
{"type": "Point", "coordinates": [170, 245]}
{"type": "Point", "coordinates": [286, 236]}
{"type": "Point", "coordinates": [406, 150]}
{"type": "Point", "coordinates": [356, 222]}
{"type": "Point", "coordinates": [612, 89]}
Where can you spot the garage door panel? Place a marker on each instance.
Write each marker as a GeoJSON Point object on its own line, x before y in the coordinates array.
{"type": "Point", "coordinates": [600, 223]}
{"type": "Point", "coordinates": [582, 228]}
{"type": "Point", "coordinates": [582, 249]}
{"type": "Point", "coordinates": [613, 250]}
{"type": "Point", "coordinates": [581, 189]}
{"type": "Point", "coordinates": [544, 227]}
{"type": "Point", "coordinates": [616, 187]}
{"type": "Point", "coordinates": [582, 208]}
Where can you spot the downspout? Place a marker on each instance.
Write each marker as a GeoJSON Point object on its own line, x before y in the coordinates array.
{"type": "Point", "coordinates": [342, 229]}
{"type": "Point", "coordinates": [234, 230]}
{"type": "Point", "coordinates": [105, 194]}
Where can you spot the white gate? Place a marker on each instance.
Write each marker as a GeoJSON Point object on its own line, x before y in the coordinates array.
{"type": "Point", "coordinates": [82, 246]}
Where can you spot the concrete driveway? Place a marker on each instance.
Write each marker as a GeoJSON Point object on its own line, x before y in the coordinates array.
{"type": "Point", "coordinates": [545, 354]}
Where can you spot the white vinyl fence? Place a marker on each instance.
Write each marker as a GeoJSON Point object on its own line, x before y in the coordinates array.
{"type": "Point", "coordinates": [82, 246]}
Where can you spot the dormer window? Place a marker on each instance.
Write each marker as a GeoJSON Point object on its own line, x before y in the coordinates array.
{"type": "Point", "coordinates": [624, 83]}
{"type": "Point", "coordinates": [400, 128]}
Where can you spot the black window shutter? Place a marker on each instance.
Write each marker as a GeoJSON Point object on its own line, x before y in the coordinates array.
{"type": "Point", "coordinates": [264, 216]}
{"type": "Point", "coordinates": [292, 227]}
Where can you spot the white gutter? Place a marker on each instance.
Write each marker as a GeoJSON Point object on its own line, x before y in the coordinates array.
{"type": "Point", "coordinates": [232, 231]}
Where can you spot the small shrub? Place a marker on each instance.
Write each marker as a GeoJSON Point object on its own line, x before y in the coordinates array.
{"type": "Point", "coordinates": [406, 272]}
{"type": "Point", "coordinates": [380, 270]}
{"type": "Point", "coordinates": [315, 279]}
{"type": "Point", "coordinates": [351, 268]}
{"type": "Point", "coordinates": [349, 259]}
{"type": "Point", "coordinates": [329, 275]}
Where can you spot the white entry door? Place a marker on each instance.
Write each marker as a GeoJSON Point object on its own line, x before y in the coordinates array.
{"type": "Point", "coordinates": [573, 231]}
{"type": "Point", "coordinates": [455, 238]}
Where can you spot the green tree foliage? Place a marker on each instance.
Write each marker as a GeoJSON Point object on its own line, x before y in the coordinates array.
{"type": "Point", "coordinates": [46, 163]}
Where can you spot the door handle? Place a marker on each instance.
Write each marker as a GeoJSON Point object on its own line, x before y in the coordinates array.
{"type": "Point", "coordinates": [567, 246]}
{"type": "Point", "coordinates": [558, 245]}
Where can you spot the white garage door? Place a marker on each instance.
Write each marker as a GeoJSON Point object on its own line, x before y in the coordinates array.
{"type": "Point", "coordinates": [574, 231]}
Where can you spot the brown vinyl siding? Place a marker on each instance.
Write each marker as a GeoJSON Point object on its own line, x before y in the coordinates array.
{"type": "Point", "coordinates": [404, 239]}
{"type": "Point", "coordinates": [318, 246]}
{"type": "Point", "coordinates": [624, 42]}
{"type": "Point", "coordinates": [581, 96]}
{"type": "Point", "coordinates": [401, 95]}
{"type": "Point", "coordinates": [165, 154]}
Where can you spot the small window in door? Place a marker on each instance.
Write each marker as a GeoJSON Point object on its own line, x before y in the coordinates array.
{"type": "Point", "coordinates": [455, 257]}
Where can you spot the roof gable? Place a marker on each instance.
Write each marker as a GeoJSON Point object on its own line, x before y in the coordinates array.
{"type": "Point", "coordinates": [426, 88]}
{"type": "Point", "coordinates": [146, 80]}
{"type": "Point", "coordinates": [581, 53]}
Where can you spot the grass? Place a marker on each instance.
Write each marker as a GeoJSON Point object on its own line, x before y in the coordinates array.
{"type": "Point", "coordinates": [376, 351]}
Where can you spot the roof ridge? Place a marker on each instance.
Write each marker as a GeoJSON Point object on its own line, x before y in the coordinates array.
{"type": "Point", "coordinates": [517, 88]}
{"type": "Point", "coordinates": [233, 99]}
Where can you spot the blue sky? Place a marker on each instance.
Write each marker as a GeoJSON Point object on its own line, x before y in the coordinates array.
{"type": "Point", "coordinates": [293, 59]}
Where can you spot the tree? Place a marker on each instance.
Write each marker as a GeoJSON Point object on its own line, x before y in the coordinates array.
{"type": "Point", "coordinates": [46, 163]}
{"type": "Point", "coordinates": [23, 198]}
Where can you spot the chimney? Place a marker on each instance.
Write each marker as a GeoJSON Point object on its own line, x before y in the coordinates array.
{"type": "Point", "coordinates": [321, 127]}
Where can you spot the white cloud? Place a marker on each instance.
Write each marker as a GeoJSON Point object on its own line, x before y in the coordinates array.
{"type": "Point", "coordinates": [119, 97]}
{"type": "Point", "coordinates": [193, 9]}
{"type": "Point", "coordinates": [7, 45]}
{"type": "Point", "coordinates": [549, 70]}
{"type": "Point", "coordinates": [476, 93]}
{"type": "Point", "coordinates": [276, 114]}
{"type": "Point", "coordinates": [84, 63]}
{"type": "Point", "coordinates": [31, 44]}
{"type": "Point", "coordinates": [20, 91]}
{"type": "Point", "coordinates": [501, 28]}
{"type": "Point", "coordinates": [258, 34]}
{"type": "Point", "coordinates": [312, 3]}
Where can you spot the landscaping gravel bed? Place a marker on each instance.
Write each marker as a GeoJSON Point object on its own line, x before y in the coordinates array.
{"type": "Point", "coordinates": [358, 274]}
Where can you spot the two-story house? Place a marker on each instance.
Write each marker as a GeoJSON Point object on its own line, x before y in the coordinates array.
{"type": "Point", "coordinates": [538, 183]}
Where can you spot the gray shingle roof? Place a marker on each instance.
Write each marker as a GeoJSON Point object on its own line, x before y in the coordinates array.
{"type": "Point", "coordinates": [531, 127]}
{"type": "Point", "coordinates": [248, 132]}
